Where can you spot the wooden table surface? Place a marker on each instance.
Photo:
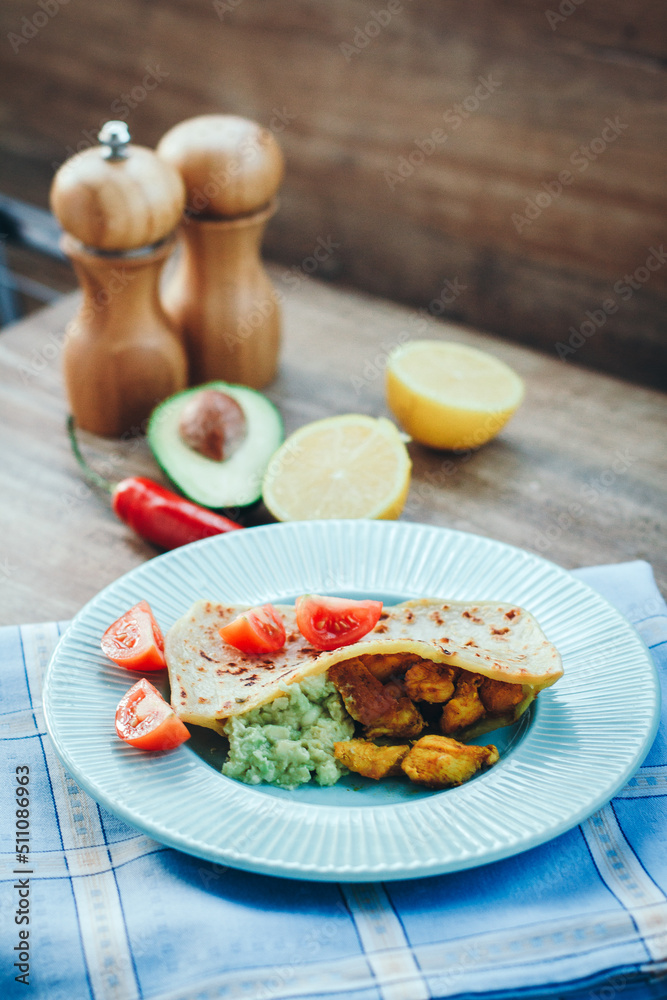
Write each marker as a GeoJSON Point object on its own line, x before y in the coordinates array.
{"type": "Point", "coordinates": [578, 475]}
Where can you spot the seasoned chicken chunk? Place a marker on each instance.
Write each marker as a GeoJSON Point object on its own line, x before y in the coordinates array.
{"type": "Point", "coordinates": [465, 707]}
{"type": "Point", "coordinates": [371, 761]}
{"type": "Point", "coordinates": [404, 722]}
{"type": "Point", "coordinates": [403, 719]}
{"type": "Point", "coordinates": [440, 762]}
{"type": "Point", "coordinates": [428, 681]}
{"type": "Point", "coordinates": [499, 697]}
{"type": "Point", "coordinates": [364, 696]}
{"type": "Point", "coordinates": [383, 665]}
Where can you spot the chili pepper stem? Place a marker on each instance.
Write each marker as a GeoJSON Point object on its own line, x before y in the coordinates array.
{"type": "Point", "coordinates": [94, 478]}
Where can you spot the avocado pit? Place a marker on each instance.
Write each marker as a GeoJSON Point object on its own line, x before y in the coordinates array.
{"type": "Point", "coordinates": [213, 424]}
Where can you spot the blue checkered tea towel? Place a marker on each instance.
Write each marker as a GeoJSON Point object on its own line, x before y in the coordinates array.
{"type": "Point", "coordinates": [98, 910]}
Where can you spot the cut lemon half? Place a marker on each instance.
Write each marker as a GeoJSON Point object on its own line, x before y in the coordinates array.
{"type": "Point", "coordinates": [347, 466]}
{"type": "Point", "coordinates": [448, 395]}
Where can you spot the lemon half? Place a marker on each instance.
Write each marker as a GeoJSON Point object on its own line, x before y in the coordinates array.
{"type": "Point", "coordinates": [448, 395]}
{"type": "Point", "coordinates": [347, 466]}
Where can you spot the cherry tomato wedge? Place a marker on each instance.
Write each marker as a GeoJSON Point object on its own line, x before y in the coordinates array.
{"type": "Point", "coordinates": [145, 720]}
{"type": "Point", "coordinates": [330, 622]}
{"type": "Point", "coordinates": [135, 640]}
{"type": "Point", "coordinates": [258, 630]}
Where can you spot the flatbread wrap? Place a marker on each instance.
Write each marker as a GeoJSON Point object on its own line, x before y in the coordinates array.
{"type": "Point", "coordinates": [480, 647]}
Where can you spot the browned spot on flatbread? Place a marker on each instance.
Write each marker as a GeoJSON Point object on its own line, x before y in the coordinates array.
{"type": "Point", "coordinates": [206, 656]}
{"type": "Point", "coordinates": [409, 617]}
{"type": "Point", "coordinates": [202, 701]}
{"type": "Point", "coordinates": [381, 627]}
{"type": "Point", "coordinates": [471, 617]}
{"type": "Point", "coordinates": [513, 613]}
{"type": "Point", "coordinates": [470, 642]}
{"type": "Point", "coordinates": [436, 617]}
{"type": "Point", "coordinates": [383, 616]}
{"type": "Point", "coordinates": [499, 631]}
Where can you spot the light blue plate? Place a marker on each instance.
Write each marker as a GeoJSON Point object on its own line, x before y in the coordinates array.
{"type": "Point", "coordinates": [578, 745]}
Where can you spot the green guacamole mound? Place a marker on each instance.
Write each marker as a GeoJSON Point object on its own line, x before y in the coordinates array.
{"type": "Point", "coordinates": [291, 739]}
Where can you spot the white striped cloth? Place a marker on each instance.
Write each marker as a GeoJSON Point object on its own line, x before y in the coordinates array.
{"type": "Point", "coordinates": [116, 916]}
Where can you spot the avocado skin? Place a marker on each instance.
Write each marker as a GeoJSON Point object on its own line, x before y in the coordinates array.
{"type": "Point", "coordinates": [187, 470]}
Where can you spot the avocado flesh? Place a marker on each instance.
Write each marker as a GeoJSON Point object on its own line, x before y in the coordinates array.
{"type": "Point", "coordinates": [234, 482]}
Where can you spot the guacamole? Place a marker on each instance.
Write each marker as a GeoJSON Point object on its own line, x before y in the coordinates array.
{"type": "Point", "coordinates": [290, 740]}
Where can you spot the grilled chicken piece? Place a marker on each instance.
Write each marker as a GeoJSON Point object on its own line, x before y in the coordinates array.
{"type": "Point", "coordinates": [371, 761]}
{"type": "Point", "coordinates": [383, 665]}
{"type": "Point", "coordinates": [403, 720]}
{"type": "Point", "coordinates": [465, 707]}
{"type": "Point", "coordinates": [428, 681]}
{"type": "Point", "coordinates": [499, 697]}
{"type": "Point", "coordinates": [364, 696]}
{"type": "Point", "coordinates": [440, 762]}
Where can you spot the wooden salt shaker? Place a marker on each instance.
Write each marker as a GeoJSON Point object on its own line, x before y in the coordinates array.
{"type": "Point", "coordinates": [119, 205]}
{"type": "Point", "coordinates": [220, 296]}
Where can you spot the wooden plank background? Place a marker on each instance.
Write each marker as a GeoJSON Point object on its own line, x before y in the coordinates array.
{"type": "Point", "coordinates": [359, 94]}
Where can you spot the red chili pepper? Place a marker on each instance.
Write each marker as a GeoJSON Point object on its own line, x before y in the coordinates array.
{"type": "Point", "coordinates": [162, 517]}
{"type": "Point", "coordinates": [157, 514]}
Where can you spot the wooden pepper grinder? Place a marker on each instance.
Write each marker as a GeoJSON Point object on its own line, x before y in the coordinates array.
{"type": "Point", "coordinates": [119, 205]}
{"type": "Point", "coordinates": [220, 296]}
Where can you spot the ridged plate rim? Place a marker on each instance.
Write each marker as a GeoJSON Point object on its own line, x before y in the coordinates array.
{"type": "Point", "coordinates": [567, 766]}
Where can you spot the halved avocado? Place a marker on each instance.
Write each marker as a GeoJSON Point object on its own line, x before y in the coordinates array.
{"type": "Point", "coordinates": [234, 482]}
